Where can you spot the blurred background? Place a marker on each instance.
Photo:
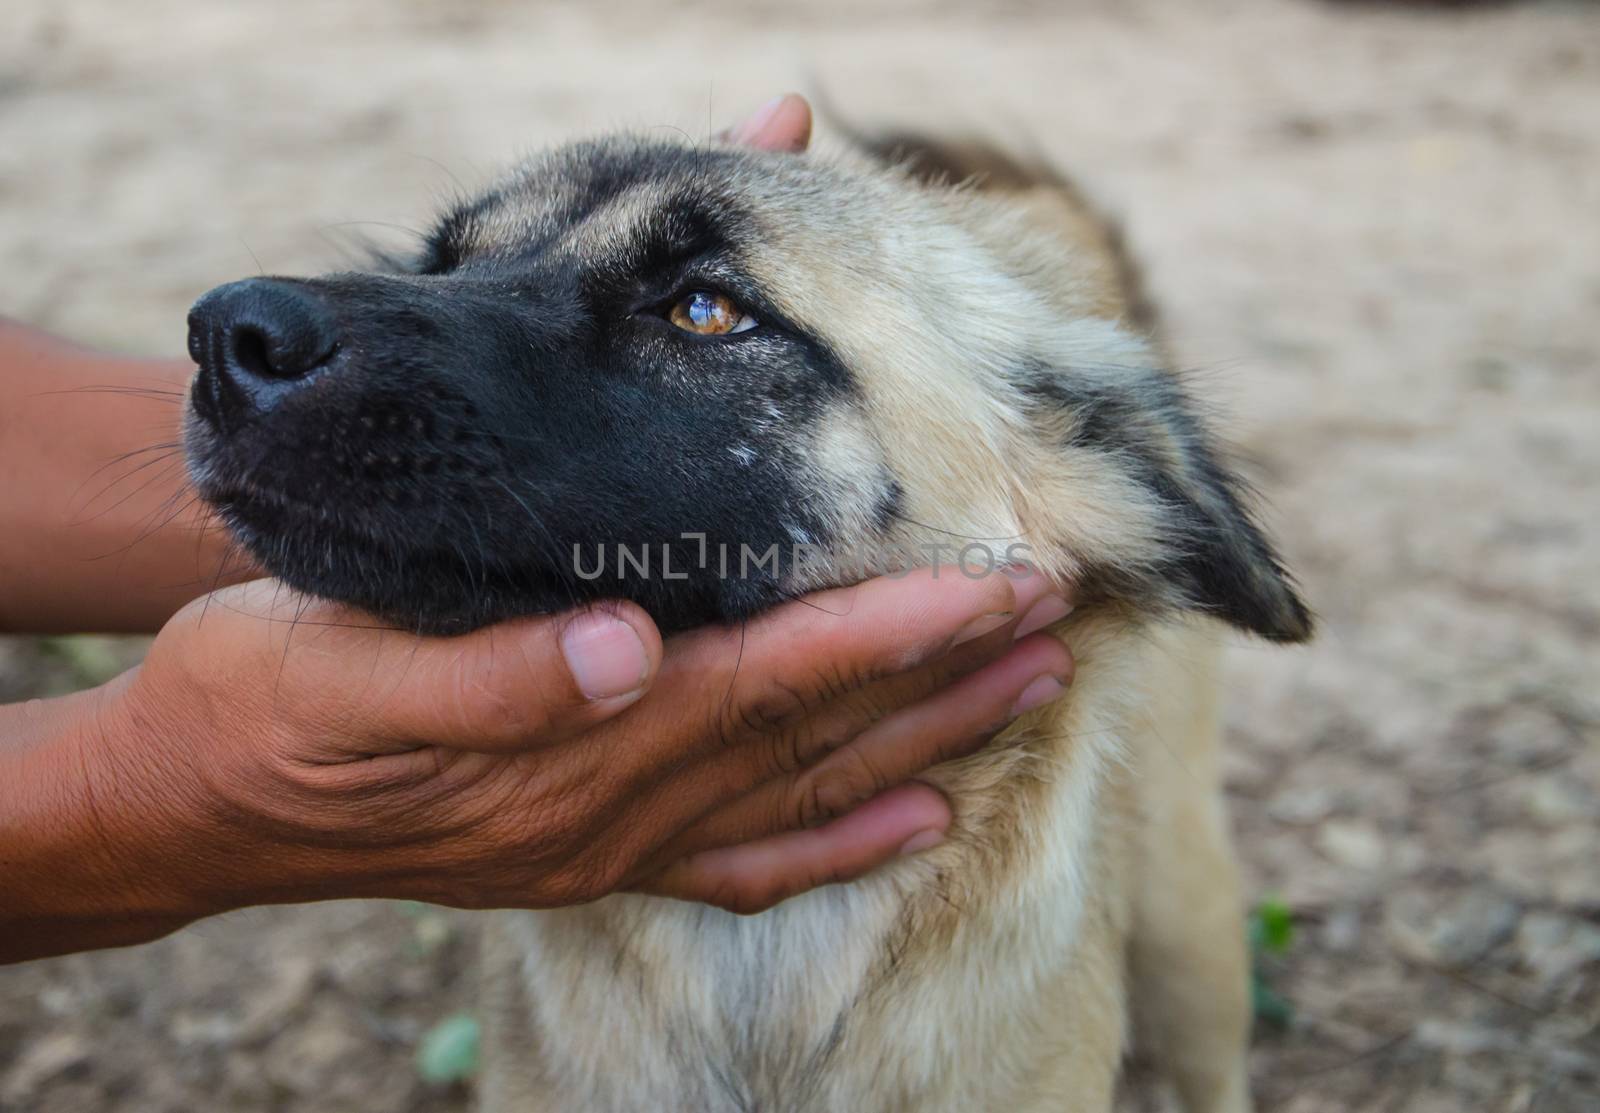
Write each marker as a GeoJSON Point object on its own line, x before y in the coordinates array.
{"type": "Point", "coordinates": [1374, 232]}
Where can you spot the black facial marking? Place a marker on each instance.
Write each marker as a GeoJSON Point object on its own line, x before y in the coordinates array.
{"type": "Point", "coordinates": [684, 228]}
{"type": "Point", "coordinates": [886, 515]}
{"type": "Point", "coordinates": [514, 415]}
{"type": "Point", "coordinates": [1217, 558]}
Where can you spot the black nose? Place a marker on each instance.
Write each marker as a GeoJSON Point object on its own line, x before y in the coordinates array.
{"type": "Point", "coordinates": [256, 341]}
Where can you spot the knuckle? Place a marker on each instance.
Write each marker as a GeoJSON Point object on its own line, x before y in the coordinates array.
{"type": "Point", "coordinates": [587, 879]}
{"type": "Point", "coordinates": [840, 677]}
{"type": "Point", "coordinates": [834, 789]}
{"type": "Point", "coordinates": [873, 705]}
{"type": "Point", "coordinates": [563, 813]}
{"type": "Point", "coordinates": [822, 736]}
{"type": "Point", "coordinates": [810, 807]}
{"type": "Point", "coordinates": [776, 705]}
{"type": "Point", "coordinates": [787, 754]}
{"type": "Point", "coordinates": [490, 700]}
{"type": "Point", "coordinates": [545, 825]}
{"type": "Point", "coordinates": [765, 711]}
{"type": "Point", "coordinates": [802, 744]}
{"type": "Point", "coordinates": [805, 742]}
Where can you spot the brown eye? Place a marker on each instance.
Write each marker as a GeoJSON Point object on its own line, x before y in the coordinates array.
{"type": "Point", "coordinates": [710, 314]}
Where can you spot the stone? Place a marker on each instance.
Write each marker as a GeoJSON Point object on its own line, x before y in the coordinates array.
{"type": "Point", "coordinates": [1454, 936]}
{"type": "Point", "coordinates": [1554, 946]}
{"type": "Point", "coordinates": [1341, 929]}
{"type": "Point", "coordinates": [1553, 800]}
{"type": "Point", "coordinates": [1301, 806]}
{"type": "Point", "coordinates": [41, 1061]}
{"type": "Point", "coordinates": [1357, 846]}
{"type": "Point", "coordinates": [1461, 1039]}
{"type": "Point", "coordinates": [1541, 867]}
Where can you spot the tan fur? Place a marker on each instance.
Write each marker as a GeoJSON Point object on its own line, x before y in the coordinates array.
{"type": "Point", "coordinates": [1087, 882]}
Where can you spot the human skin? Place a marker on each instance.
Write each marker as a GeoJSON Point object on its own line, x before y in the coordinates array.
{"type": "Point", "coordinates": [274, 748]}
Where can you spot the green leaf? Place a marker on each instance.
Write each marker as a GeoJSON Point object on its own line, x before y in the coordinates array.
{"type": "Point", "coordinates": [449, 1052]}
{"type": "Point", "coordinates": [1271, 927]}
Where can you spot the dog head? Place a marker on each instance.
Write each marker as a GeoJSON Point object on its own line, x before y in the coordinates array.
{"type": "Point", "coordinates": [708, 378]}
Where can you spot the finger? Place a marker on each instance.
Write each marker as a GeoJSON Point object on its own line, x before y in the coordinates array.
{"type": "Point", "coordinates": [1036, 604]}
{"type": "Point", "coordinates": [782, 124]}
{"type": "Point", "coordinates": [755, 876]}
{"type": "Point", "coordinates": [805, 654]}
{"type": "Point", "coordinates": [948, 725]}
{"type": "Point", "coordinates": [354, 682]}
{"type": "Point", "coordinates": [529, 682]}
{"type": "Point", "coordinates": [765, 726]}
{"type": "Point", "coordinates": [779, 753]}
{"type": "Point", "coordinates": [952, 723]}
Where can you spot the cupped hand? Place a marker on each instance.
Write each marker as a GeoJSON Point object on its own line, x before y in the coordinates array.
{"type": "Point", "coordinates": [272, 749]}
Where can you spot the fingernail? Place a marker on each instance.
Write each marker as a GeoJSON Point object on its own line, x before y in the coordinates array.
{"type": "Point", "coordinates": [1040, 691]}
{"type": "Point", "coordinates": [605, 655]}
{"type": "Point", "coordinates": [1050, 609]}
{"type": "Point", "coordinates": [757, 120]}
{"type": "Point", "coordinates": [981, 625]}
{"type": "Point", "coordinates": [921, 841]}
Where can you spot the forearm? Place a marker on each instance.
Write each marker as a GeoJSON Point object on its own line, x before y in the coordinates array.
{"type": "Point", "coordinates": [88, 856]}
{"type": "Point", "coordinates": [117, 828]}
{"type": "Point", "coordinates": [99, 530]}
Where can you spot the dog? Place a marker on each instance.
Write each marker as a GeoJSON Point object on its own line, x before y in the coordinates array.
{"type": "Point", "coordinates": [649, 344]}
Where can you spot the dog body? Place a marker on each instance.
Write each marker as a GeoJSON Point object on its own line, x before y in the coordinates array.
{"type": "Point", "coordinates": [990, 973]}
{"type": "Point", "coordinates": [944, 363]}
{"type": "Point", "coordinates": [1089, 871]}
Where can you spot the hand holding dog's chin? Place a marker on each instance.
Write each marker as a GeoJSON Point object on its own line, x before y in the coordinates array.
{"type": "Point", "coordinates": [273, 749]}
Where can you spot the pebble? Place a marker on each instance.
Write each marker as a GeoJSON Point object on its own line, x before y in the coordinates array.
{"type": "Point", "coordinates": [1554, 946]}
{"type": "Point", "coordinates": [1356, 846]}
{"type": "Point", "coordinates": [1461, 1039]}
{"type": "Point", "coordinates": [1454, 936]}
{"type": "Point", "coordinates": [44, 1059]}
{"type": "Point", "coordinates": [1341, 930]}
{"type": "Point", "coordinates": [1544, 866]}
{"type": "Point", "coordinates": [1301, 806]}
{"type": "Point", "coordinates": [1553, 801]}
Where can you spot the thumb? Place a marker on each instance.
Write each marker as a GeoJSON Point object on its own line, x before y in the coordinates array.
{"type": "Point", "coordinates": [528, 682]}
{"type": "Point", "coordinates": [357, 684]}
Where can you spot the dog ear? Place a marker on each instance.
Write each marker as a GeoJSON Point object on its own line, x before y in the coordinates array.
{"type": "Point", "coordinates": [1200, 547]}
{"type": "Point", "coordinates": [1226, 565]}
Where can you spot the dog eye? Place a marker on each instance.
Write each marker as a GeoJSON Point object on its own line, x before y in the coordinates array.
{"type": "Point", "coordinates": [710, 314]}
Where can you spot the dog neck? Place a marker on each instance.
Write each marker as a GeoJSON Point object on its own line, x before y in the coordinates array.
{"type": "Point", "coordinates": [723, 1011]}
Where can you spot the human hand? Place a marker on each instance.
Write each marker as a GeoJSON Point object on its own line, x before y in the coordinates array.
{"type": "Point", "coordinates": [271, 750]}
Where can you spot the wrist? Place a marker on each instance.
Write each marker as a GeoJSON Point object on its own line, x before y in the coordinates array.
{"type": "Point", "coordinates": [90, 466]}
{"type": "Point", "coordinates": [96, 846]}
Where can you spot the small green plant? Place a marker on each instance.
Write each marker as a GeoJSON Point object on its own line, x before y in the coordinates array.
{"type": "Point", "coordinates": [1271, 927]}
{"type": "Point", "coordinates": [449, 1052]}
{"type": "Point", "coordinates": [1271, 933]}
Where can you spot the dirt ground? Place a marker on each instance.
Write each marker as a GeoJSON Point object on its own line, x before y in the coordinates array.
{"type": "Point", "coordinates": [1375, 231]}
